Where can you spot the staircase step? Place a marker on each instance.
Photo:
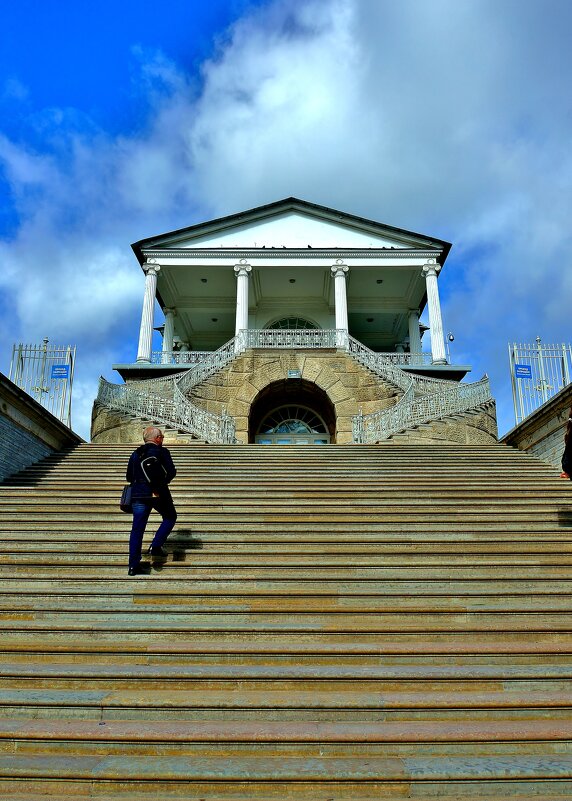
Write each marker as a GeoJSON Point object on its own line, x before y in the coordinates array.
{"type": "Point", "coordinates": [323, 627]}
{"type": "Point", "coordinates": [167, 770]}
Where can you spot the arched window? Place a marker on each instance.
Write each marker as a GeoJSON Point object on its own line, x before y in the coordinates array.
{"type": "Point", "coordinates": [292, 425]}
{"type": "Point", "coordinates": [293, 323]}
{"type": "Point", "coordinates": [292, 419]}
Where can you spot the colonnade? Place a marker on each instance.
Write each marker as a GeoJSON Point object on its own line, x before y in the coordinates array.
{"type": "Point", "coordinates": [339, 271]}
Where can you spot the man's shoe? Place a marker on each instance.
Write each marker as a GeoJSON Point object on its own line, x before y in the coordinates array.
{"type": "Point", "coordinates": [156, 551]}
{"type": "Point", "coordinates": [142, 569]}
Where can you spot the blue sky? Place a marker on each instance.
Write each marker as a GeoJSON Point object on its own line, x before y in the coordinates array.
{"type": "Point", "coordinates": [121, 120]}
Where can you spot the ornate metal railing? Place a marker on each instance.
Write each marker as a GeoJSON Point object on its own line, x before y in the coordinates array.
{"type": "Point", "coordinates": [166, 399]}
{"type": "Point", "coordinates": [214, 362]}
{"type": "Point", "coordinates": [382, 365]}
{"type": "Point", "coordinates": [409, 359]}
{"type": "Point", "coordinates": [176, 357]}
{"type": "Point", "coordinates": [290, 338]}
{"type": "Point", "coordinates": [176, 411]}
{"type": "Point", "coordinates": [414, 409]}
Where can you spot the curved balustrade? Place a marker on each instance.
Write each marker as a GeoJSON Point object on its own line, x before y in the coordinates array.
{"type": "Point", "coordinates": [165, 399]}
{"type": "Point", "coordinates": [290, 338]}
{"type": "Point", "coordinates": [382, 365]}
{"type": "Point", "coordinates": [414, 409]}
{"type": "Point", "coordinates": [176, 411]}
{"type": "Point", "coordinates": [178, 357]}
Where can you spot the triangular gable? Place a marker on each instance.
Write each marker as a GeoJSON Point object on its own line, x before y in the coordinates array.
{"type": "Point", "coordinates": [291, 223]}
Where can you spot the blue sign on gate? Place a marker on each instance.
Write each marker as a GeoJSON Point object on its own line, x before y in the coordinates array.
{"type": "Point", "coordinates": [522, 371]}
{"type": "Point", "coordinates": [60, 371]}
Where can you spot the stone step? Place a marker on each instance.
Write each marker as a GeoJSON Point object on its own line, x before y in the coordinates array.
{"type": "Point", "coordinates": [193, 567]}
{"type": "Point", "coordinates": [248, 643]}
{"type": "Point", "coordinates": [407, 674]}
{"type": "Point", "coordinates": [271, 732]}
{"type": "Point", "coordinates": [170, 590]}
{"type": "Point", "coordinates": [165, 772]}
{"type": "Point", "coordinates": [430, 630]}
{"type": "Point", "coordinates": [204, 557]}
{"type": "Point", "coordinates": [106, 500]}
{"type": "Point", "coordinates": [288, 548]}
{"type": "Point", "coordinates": [159, 705]}
{"type": "Point", "coordinates": [336, 525]}
{"type": "Point", "coordinates": [284, 604]}
{"type": "Point", "coordinates": [189, 571]}
{"type": "Point", "coordinates": [400, 621]}
{"type": "Point", "coordinates": [290, 791]}
{"type": "Point", "coordinates": [325, 791]}
{"type": "Point", "coordinates": [275, 539]}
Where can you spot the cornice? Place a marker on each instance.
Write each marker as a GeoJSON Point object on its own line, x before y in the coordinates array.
{"type": "Point", "coordinates": [289, 253]}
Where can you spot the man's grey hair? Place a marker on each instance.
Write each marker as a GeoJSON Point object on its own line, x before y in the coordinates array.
{"type": "Point", "coordinates": [150, 433]}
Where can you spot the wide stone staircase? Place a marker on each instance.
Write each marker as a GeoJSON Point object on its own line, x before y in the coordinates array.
{"type": "Point", "coordinates": [353, 622]}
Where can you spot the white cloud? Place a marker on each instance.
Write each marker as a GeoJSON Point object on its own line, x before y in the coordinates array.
{"type": "Point", "coordinates": [448, 118]}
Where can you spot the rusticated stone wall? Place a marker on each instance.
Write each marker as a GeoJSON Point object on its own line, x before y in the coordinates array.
{"type": "Point", "coordinates": [112, 428]}
{"type": "Point", "coordinates": [347, 385]}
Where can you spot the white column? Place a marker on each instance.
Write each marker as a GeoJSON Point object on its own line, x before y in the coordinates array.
{"type": "Point", "coordinates": [431, 270]}
{"type": "Point", "coordinates": [146, 329]}
{"type": "Point", "coordinates": [339, 271]}
{"type": "Point", "coordinates": [168, 334]}
{"type": "Point", "coordinates": [242, 272]}
{"type": "Point", "coordinates": [415, 346]}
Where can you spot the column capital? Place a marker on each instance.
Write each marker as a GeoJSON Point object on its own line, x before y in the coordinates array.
{"type": "Point", "coordinates": [339, 268]}
{"type": "Point", "coordinates": [242, 268]}
{"type": "Point", "coordinates": [431, 268]}
{"type": "Point", "coordinates": [169, 310]}
{"type": "Point", "coordinates": [150, 268]}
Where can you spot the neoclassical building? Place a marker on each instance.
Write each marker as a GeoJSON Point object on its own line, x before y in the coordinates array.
{"type": "Point", "coordinates": [294, 323]}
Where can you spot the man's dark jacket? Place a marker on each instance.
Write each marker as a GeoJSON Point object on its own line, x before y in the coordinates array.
{"type": "Point", "coordinates": [135, 476]}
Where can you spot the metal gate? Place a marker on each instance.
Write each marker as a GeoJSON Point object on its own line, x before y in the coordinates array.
{"type": "Point", "coordinates": [537, 373]}
{"type": "Point", "coordinates": [46, 373]}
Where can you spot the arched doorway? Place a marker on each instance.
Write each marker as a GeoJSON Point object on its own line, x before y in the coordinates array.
{"type": "Point", "coordinates": [292, 412]}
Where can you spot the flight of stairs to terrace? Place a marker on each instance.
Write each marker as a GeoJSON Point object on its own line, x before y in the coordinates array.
{"type": "Point", "coordinates": [331, 623]}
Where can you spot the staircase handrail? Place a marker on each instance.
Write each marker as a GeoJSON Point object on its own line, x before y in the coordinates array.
{"type": "Point", "coordinates": [212, 363]}
{"type": "Point", "coordinates": [164, 398]}
{"type": "Point", "coordinates": [414, 409]}
{"type": "Point", "coordinates": [176, 411]}
{"type": "Point", "coordinates": [382, 366]}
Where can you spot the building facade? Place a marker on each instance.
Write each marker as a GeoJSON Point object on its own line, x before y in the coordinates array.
{"type": "Point", "coordinates": [292, 323]}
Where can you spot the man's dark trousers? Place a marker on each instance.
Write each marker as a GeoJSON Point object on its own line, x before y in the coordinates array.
{"type": "Point", "coordinates": [141, 511]}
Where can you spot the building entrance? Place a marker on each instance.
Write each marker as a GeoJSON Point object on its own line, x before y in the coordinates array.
{"type": "Point", "coordinates": [292, 425]}
{"type": "Point", "coordinates": [292, 412]}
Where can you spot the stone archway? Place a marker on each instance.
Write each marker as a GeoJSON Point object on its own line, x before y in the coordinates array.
{"type": "Point", "coordinates": [290, 394]}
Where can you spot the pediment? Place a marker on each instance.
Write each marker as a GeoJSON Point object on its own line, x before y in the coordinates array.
{"type": "Point", "coordinates": [292, 224]}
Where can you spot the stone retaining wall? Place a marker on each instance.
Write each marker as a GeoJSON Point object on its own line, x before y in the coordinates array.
{"type": "Point", "coordinates": [542, 433]}
{"type": "Point", "coordinates": [28, 432]}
